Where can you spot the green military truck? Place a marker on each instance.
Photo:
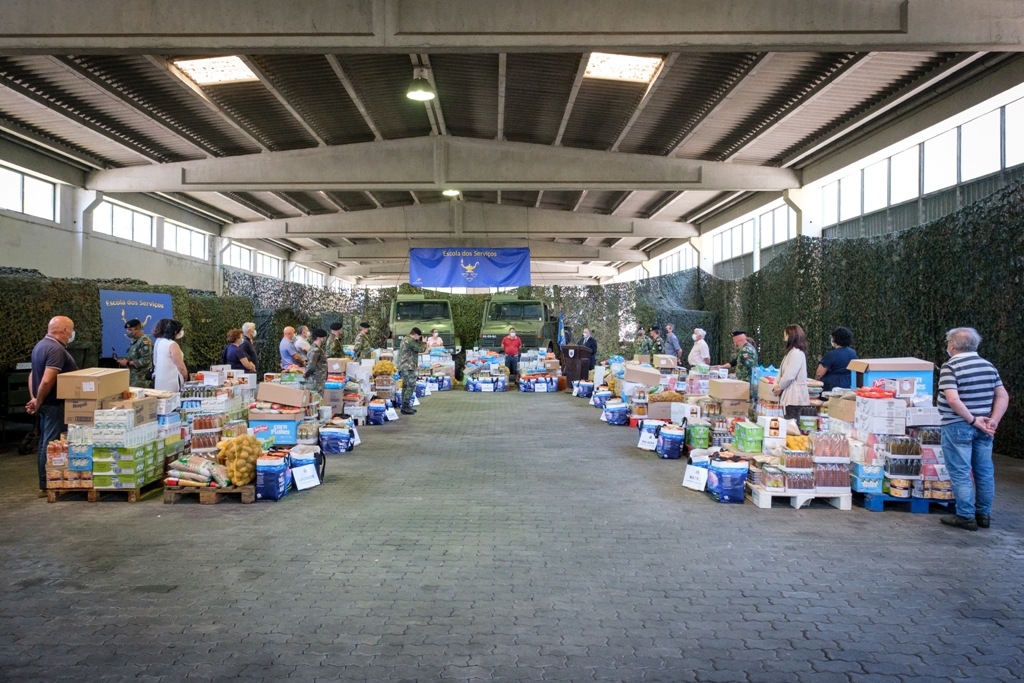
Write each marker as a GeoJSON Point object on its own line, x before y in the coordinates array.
{"type": "Point", "coordinates": [536, 323]}
{"type": "Point", "coordinates": [415, 310]}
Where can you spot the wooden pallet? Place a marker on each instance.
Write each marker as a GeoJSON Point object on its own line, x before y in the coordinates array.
{"type": "Point", "coordinates": [210, 496]}
{"type": "Point", "coordinates": [54, 495]}
{"type": "Point", "coordinates": [96, 495]}
{"type": "Point", "coordinates": [763, 499]}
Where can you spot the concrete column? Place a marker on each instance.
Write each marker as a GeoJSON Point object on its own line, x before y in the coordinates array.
{"type": "Point", "coordinates": [218, 245]}
{"type": "Point", "coordinates": [806, 202]}
{"type": "Point", "coordinates": [158, 233]}
{"type": "Point", "coordinates": [757, 243]}
{"type": "Point", "coordinates": [84, 203]}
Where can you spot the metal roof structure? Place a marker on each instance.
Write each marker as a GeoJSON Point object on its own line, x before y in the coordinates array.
{"type": "Point", "coordinates": [736, 112]}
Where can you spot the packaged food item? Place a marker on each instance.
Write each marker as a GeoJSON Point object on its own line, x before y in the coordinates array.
{"type": "Point", "coordinates": [792, 459]}
{"type": "Point", "coordinates": [799, 480]}
{"type": "Point", "coordinates": [773, 478]}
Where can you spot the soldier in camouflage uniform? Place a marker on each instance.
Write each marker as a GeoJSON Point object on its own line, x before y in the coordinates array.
{"type": "Point", "coordinates": [657, 343]}
{"type": "Point", "coordinates": [333, 348]}
{"type": "Point", "coordinates": [364, 348]}
{"type": "Point", "coordinates": [746, 358]}
{"type": "Point", "coordinates": [642, 343]}
{"type": "Point", "coordinates": [408, 362]}
{"type": "Point", "coordinates": [139, 358]}
{"type": "Point", "coordinates": [316, 366]}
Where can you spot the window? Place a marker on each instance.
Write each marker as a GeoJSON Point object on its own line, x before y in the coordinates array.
{"type": "Point", "coordinates": [268, 265]}
{"type": "Point", "coordinates": [830, 204]}
{"type": "Point", "coordinates": [27, 194]}
{"type": "Point", "coordinates": [119, 221]}
{"type": "Point", "coordinates": [748, 237]}
{"type": "Point", "coordinates": [905, 173]}
{"type": "Point", "coordinates": [315, 278]}
{"type": "Point", "coordinates": [306, 276]}
{"type": "Point", "coordinates": [876, 186]}
{"type": "Point", "coordinates": [940, 162]}
{"type": "Point", "coordinates": [716, 249]}
{"type": "Point", "coordinates": [297, 274]}
{"type": "Point", "coordinates": [338, 285]}
{"type": "Point", "coordinates": [767, 222]}
{"type": "Point", "coordinates": [516, 311]}
{"type": "Point", "coordinates": [185, 241]}
{"type": "Point", "coordinates": [849, 197]}
{"type": "Point", "coordinates": [238, 257]}
{"type": "Point", "coordinates": [785, 224]}
{"type": "Point", "coordinates": [979, 146]}
{"type": "Point", "coordinates": [1015, 133]}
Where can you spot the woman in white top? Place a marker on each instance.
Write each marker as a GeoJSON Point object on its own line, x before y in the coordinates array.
{"type": "Point", "coordinates": [169, 371]}
{"type": "Point", "coordinates": [699, 354]}
{"type": "Point", "coordinates": [791, 384]}
{"type": "Point", "coordinates": [434, 341]}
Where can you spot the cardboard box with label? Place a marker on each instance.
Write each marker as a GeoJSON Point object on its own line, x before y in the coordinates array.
{"type": "Point", "coordinates": [924, 417]}
{"type": "Point", "coordinates": [145, 409]}
{"type": "Point", "coordinates": [336, 366]}
{"type": "Point", "coordinates": [864, 371]}
{"type": "Point", "coordinates": [92, 383]}
{"type": "Point", "coordinates": [881, 407]}
{"type": "Point", "coordinates": [660, 411]}
{"type": "Point", "coordinates": [278, 393]}
{"type": "Point", "coordinates": [684, 411]}
{"type": "Point", "coordinates": [843, 407]}
{"type": "Point", "coordinates": [729, 388]}
{"type": "Point", "coordinates": [663, 360]}
{"type": "Point", "coordinates": [649, 377]}
{"type": "Point", "coordinates": [866, 424]}
{"type": "Point", "coordinates": [643, 359]}
{"type": "Point", "coordinates": [283, 431]}
{"type": "Point", "coordinates": [334, 397]}
{"type": "Point", "coordinates": [82, 412]}
{"type": "Point", "coordinates": [734, 408]}
{"type": "Point", "coordinates": [552, 365]}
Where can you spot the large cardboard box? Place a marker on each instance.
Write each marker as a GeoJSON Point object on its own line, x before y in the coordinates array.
{"type": "Point", "coordinates": [92, 383]}
{"type": "Point", "coordinates": [879, 407]}
{"type": "Point", "coordinates": [275, 417]}
{"type": "Point", "coordinates": [145, 409]}
{"type": "Point", "coordinates": [660, 411]}
{"type": "Point", "coordinates": [278, 393]}
{"type": "Point", "coordinates": [864, 371]}
{"type": "Point", "coordinates": [643, 359]}
{"type": "Point", "coordinates": [843, 407]}
{"type": "Point", "coordinates": [924, 417]}
{"type": "Point", "coordinates": [649, 377]}
{"type": "Point", "coordinates": [733, 408]}
{"type": "Point", "coordinates": [663, 360]}
{"type": "Point", "coordinates": [334, 397]}
{"type": "Point", "coordinates": [865, 424]}
{"type": "Point", "coordinates": [336, 366]}
{"type": "Point", "coordinates": [729, 388]}
{"type": "Point", "coordinates": [684, 411]}
{"type": "Point", "coordinates": [764, 390]}
{"type": "Point", "coordinates": [284, 432]}
{"type": "Point", "coordinates": [552, 365]}
{"type": "Point", "coordinates": [81, 412]}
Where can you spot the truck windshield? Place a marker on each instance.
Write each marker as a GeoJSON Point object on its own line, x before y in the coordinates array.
{"type": "Point", "coordinates": [422, 310]}
{"type": "Point", "coordinates": [516, 311]}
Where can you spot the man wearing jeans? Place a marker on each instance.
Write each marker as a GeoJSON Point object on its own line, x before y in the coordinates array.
{"type": "Point", "coordinates": [972, 401]}
{"type": "Point", "coordinates": [50, 357]}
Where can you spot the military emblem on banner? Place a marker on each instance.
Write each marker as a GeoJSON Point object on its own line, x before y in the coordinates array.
{"type": "Point", "coordinates": [469, 273]}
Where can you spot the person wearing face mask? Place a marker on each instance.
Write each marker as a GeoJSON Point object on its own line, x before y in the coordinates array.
{"type": "Point", "coordinates": [139, 357]}
{"type": "Point", "coordinates": [699, 354]}
{"type": "Point", "coordinates": [333, 348]}
{"type": "Point", "coordinates": [790, 387]}
{"type": "Point", "coordinates": [672, 346]}
{"type": "Point", "coordinates": [832, 369]}
{"type": "Point", "coordinates": [591, 344]}
{"type": "Point", "coordinates": [364, 347]}
{"type": "Point", "coordinates": [302, 340]}
{"type": "Point", "coordinates": [169, 371]}
{"type": "Point", "coordinates": [434, 341]}
{"type": "Point", "coordinates": [50, 357]}
{"type": "Point", "coordinates": [248, 345]}
{"type": "Point", "coordinates": [510, 346]}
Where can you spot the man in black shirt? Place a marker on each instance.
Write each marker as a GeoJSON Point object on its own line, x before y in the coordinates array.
{"type": "Point", "coordinates": [50, 357]}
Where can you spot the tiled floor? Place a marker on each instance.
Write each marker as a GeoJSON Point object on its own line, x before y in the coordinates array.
{"type": "Point", "coordinates": [504, 537]}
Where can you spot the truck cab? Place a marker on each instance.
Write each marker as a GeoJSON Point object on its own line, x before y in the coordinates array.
{"type": "Point", "coordinates": [415, 310]}
{"type": "Point", "coordinates": [536, 322]}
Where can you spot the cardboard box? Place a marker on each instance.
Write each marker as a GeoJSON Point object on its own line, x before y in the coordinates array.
{"type": "Point", "coordinates": [663, 360]}
{"type": "Point", "coordinates": [284, 432]}
{"type": "Point", "coordinates": [649, 377]}
{"type": "Point", "coordinates": [660, 411]}
{"type": "Point", "coordinates": [924, 417]}
{"type": "Point", "coordinates": [729, 388]}
{"type": "Point", "coordinates": [684, 411]}
{"type": "Point", "coordinates": [145, 409]}
{"type": "Point", "coordinates": [92, 383]}
{"type": "Point", "coordinates": [82, 412]}
{"type": "Point", "coordinates": [770, 444]}
{"type": "Point", "coordinates": [334, 397]}
{"type": "Point", "coordinates": [864, 371]}
{"type": "Point", "coordinates": [275, 417]}
{"type": "Point", "coordinates": [552, 365]}
{"type": "Point", "coordinates": [881, 407]}
{"type": "Point", "coordinates": [734, 408]}
{"type": "Point", "coordinates": [336, 366]}
{"type": "Point", "coordinates": [644, 359]}
{"type": "Point", "coordinates": [772, 427]}
{"type": "Point", "coordinates": [843, 407]}
{"type": "Point", "coordinates": [865, 424]}
{"type": "Point", "coordinates": [278, 393]}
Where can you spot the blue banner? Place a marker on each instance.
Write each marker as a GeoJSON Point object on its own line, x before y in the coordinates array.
{"type": "Point", "coordinates": [469, 267]}
{"type": "Point", "coordinates": [117, 308]}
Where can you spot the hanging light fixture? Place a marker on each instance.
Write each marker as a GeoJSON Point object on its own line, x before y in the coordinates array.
{"type": "Point", "coordinates": [420, 88]}
{"type": "Point", "coordinates": [450, 193]}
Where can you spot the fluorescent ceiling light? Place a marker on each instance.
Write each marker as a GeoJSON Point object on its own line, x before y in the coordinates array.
{"type": "Point", "coordinates": [216, 70]}
{"type": "Point", "coordinates": [622, 67]}
{"type": "Point", "coordinates": [450, 193]}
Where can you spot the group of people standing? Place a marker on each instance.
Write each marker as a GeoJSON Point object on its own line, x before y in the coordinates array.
{"type": "Point", "coordinates": [308, 350]}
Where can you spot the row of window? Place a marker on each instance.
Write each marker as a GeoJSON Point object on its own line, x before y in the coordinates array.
{"type": "Point", "coordinates": [27, 194]}
{"type": "Point", "coordinates": [982, 146]}
{"type": "Point", "coordinates": [120, 221]}
{"type": "Point", "coordinates": [684, 259]}
{"type": "Point", "coordinates": [306, 276]}
{"type": "Point", "coordinates": [775, 226]}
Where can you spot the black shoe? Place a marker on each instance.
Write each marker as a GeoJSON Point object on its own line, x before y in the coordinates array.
{"type": "Point", "coordinates": [408, 412]}
{"type": "Point", "coordinates": [960, 522]}
{"type": "Point", "coordinates": [984, 521]}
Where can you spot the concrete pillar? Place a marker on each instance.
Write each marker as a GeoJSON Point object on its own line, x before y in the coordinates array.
{"type": "Point", "coordinates": [806, 202]}
{"type": "Point", "coordinates": [219, 245]}
{"type": "Point", "coordinates": [84, 203]}
{"type": "Point", "coordinates": [158, 233]}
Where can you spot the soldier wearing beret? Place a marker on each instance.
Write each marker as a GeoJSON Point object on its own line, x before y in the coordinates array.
{"type": "Point", "coordinates": [139, 358]}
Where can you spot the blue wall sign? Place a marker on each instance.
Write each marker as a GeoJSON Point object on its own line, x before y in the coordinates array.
{"type": "Point", "coordinates": [469, 267]}
{"type": "Point", "coordinates": [117, 308]}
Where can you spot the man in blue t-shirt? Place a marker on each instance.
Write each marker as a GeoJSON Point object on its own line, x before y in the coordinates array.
{"type": "Point", "coordinates": [832, 370]}
{"type": "Point", "coordinates": [289, 353]}
{"type": "Point", "coordinates": [50, 357]}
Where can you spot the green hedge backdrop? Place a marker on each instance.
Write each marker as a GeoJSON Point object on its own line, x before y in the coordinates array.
{"type": "Point", "coordinates": [898, 293]}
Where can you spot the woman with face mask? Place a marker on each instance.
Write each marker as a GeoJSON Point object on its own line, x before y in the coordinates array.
{"type": "Point", "coordinates": [790, 388]}
{"type": "Point", "coordinates": [434, 341]}
{"type": "Point", "coordinates": [169, 371]}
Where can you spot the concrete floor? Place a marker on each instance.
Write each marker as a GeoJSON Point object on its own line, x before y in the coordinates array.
{"type": "Point", "coordinates": [503, 537]}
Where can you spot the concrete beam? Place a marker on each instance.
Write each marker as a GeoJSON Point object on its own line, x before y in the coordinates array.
{"type": "Point", "coordinates": [458, 218]}
{"type": "Point", "coordinates": [398, 250]}
{"type": "Point", "coordinates": [312, 26]}
{"type": "Point", "coordinates": [536, 268]}
{"type": "Point", "coordinates": [438, 162]}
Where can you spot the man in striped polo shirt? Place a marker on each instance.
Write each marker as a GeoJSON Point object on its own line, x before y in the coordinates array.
{"type": "Point", "coordinates": [972, 401]}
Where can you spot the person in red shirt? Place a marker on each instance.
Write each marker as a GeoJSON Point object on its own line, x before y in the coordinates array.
{"type": "Point", "coordinates": [510, 345]}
